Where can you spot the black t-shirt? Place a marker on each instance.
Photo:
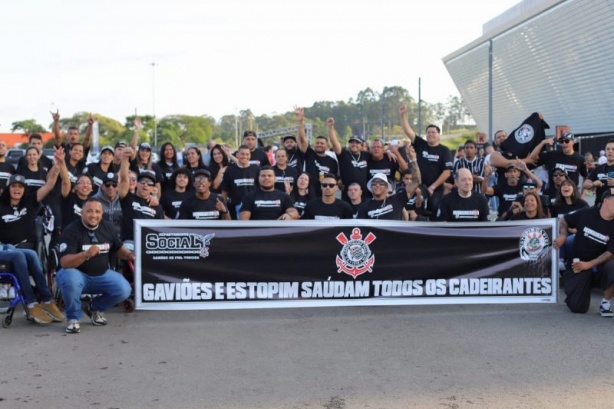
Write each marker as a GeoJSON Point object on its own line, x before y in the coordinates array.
{"type": "Point", "coordinates": [316, 166]}
{"type": "Point", "coordinates": [97, 173]}
{"type": "Point", "coordinates": [171, 201]}
{"type": "Point", "coordinates": [76, 238]}
{"type": "Point", "coordinates": [43, 162]}
{"type": "Point", "coordinates": [562, 209]}
{"type": "Point", "coordinates": [34, 179]}
{"type": "Point", "coordinates": [284, 175]}
{"type": "Point", "coordinates": [135, 207]}
{"type": "Point", "coordinates": [390, 208]}
{"type": "Point", "coordinates": [71, 209]}
{"type": "Point", "coordinates": [432, 160]}
{"type": "Point", "coordinates": [300, 201]}
{"type": "Point", "coordinates": [594, 236]}
{"type": "Point", "coordinates": [74, 171]}
{"type": "Point", "coordinates": [258, 158]}
{"type": "Point", "coordinates": [238, 181]}
{"type": "Point", "coordinates": [6, 170]}
{"type": "Point", "coordinates": [507, 195]}
{"type": "Point", "coordinates": [166, 171]}
{"type": "Point", "coordinates": [318, 210]}
{"type": "Point", "coordinates": [574, 164]}
{"type": "Point", "coordinates": [17, 223]}
{"type": "Point", "coordinates": [194, 208]}
{"type": "Point", "coordinates": [385, 166]}
{"type": "Point", "coordinates": [266, 205]}
{"type": "Point", "coordinates": [455, 208]}
{"type": "Point", "coordinates": [354, 168]}
{"type": "Point", "coordinates": [600, 173]}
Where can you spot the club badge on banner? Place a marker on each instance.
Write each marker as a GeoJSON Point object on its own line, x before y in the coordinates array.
{"type": "Point", "coordinates": [184, 264]}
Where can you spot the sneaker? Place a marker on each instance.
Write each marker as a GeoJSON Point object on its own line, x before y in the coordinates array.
{"type": "Point", "coordinates": [38, 315]}
{"type": "Point", "coordinates": [73, 327]}
{"type": "Point", "coordinates": [97, 317]}
{"type": "Point", "coordinates": [53, 311]}
{"type": "Point", "coordinates": [605, 310]}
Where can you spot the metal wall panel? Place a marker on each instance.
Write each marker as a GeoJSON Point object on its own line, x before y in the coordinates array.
{"type": "Point", "coordinates": [558, 62]}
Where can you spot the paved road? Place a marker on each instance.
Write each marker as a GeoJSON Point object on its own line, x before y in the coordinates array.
{"type": "Point", "coordinates": [478, 356]}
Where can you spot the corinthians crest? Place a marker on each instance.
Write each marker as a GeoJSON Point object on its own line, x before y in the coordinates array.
{"type": "Point", "coordinates": [355, 258]}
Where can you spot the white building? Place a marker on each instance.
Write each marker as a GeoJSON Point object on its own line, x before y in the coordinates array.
{"type": "Point", "coordinates": [550, 56]}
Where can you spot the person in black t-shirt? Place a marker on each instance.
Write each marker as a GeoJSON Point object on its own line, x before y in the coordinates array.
{"type": "Point", "coordinates": [73, 199]}
{"type": "Point", "coordinates": [98, 170]}
{"type": "Point", "coordinates": [602, 177]}
{"type": "Point", "coordinates": [328, 207]}
{"type": "Point", "coordinates": [285, 175]}
{"type": "Point", "coordinates": [592, 255]}
{"type": "Point", "coordinates": [166, 165]}
{"type": "Point", "coordinates": [85, 249]}
{"type": "Point", "coordinates": [355, 197]}
{"type": "Point", "coordinates": [381, 206]}
{"type": "Point", "coordinates": [204, 204]}
{"type": "Point", "coordinates": [267, 203]}
{"type": "Point", "coordinates": [182, 189]}
{"type": "Point", "coordinates": [257, 156]}
{"type": "Point", "coordinates": [463, 204]}
{"type": "Point", "coordinates": [239, 180]}
{"type": "Point", "coordinates": [73, 137]}
{"type": "Point", "coordinates": [142, 204]}
{"type": "Point", "coordinates": [6, 169]}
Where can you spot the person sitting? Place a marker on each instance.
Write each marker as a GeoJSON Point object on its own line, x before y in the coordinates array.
{"type": "Point", "coordinates": [532, 208]}
{"type": "Point", "coordinates": [85, 249]}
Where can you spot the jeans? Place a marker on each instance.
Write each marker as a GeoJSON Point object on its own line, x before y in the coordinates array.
{"type": "Point", "coordinates": [110, 289]}
{"type": "Point", "coordinates": [26, 263]}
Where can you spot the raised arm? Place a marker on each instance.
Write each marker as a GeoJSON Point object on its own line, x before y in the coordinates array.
{"type": "Point", "coordinates": [332, 136]}
{"type": "Point", "coordinates": [124, 173]}
{"type": "Point", "coordinates": [302, 142]}
{"type": "Point", "coordinates": [87, 141]}
{"type": "Point", "coordinates": [56, 128]}
{"type": "Point", "coordinates": [52, 176]}
{"type": "Point", "coordinates": [405, 123]}
{"type": "Point", "coordinates": [138, 125]}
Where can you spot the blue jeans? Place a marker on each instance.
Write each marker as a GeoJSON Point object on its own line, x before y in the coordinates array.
{"type": "Point", "coordinates": [26, 263]}
{"type": "Point", "coordinates": [111, 288]}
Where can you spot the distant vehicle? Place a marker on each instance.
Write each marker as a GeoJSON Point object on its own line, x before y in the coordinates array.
{"type": "Point", "coordinates": [48, 152]}
{"type": "Point", "coordinates": [13, 156]}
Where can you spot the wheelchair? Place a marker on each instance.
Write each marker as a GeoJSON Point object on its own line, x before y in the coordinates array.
{"type": "Point", "coordinates": [8, 304]}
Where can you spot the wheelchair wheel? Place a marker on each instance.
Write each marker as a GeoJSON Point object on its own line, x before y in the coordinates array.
{"type": "Point", "coordinates": [7, 321]}
{"type": "Point", "coordinates": [129, 305]}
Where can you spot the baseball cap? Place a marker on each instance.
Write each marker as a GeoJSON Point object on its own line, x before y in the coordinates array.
{"type": "Point", "coordinates": [147, 174]}
{"type": "Point", "coordinates": [109, 177]}
{"type": "Point", "coordinates": [202, 172]}
{"type": "Point", "coordinates": [356, 138]}
{"type": "Point", "coordinates": [145, 145]}
{"type": "Point", "coordinates": [510, 166]}
{"type": "Point", "coordinates": [379, 176]}
{"type": "Point", "coordinates": [107, 148]}
{"type": "Point", "coordinates": [560, 170]}
{"type": "Point", "coordinates": [122, 144]}
{"type": "Point", "coordinates": [568, 135]}
{"type": "Point", "coordinates": [288, 137]}
{"type": "Point", "coordinates": [609, 192]}
{"type": "Point", "coordinates": [16, 179]}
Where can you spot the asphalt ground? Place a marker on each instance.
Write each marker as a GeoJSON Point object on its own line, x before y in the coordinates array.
{"type": "Point", "coordinates": [442, 356]}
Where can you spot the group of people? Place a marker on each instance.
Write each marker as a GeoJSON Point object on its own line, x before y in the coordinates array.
{"type": "Point", "coordinates": [416, 179]}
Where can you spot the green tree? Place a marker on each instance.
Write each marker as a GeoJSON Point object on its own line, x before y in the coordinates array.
{"type": "Point", "coordinates": [181, 129]}
{"type": "Point", "coordinates": [27, 126]}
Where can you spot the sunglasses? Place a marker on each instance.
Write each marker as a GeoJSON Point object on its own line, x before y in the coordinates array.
{"type": "Point", "coordinates": [110, 184]}
{"type": "Point", "coordinates": [146, 183]}
{"type": "Point", "coordinates": [565, 140]}
{"type": "Point", "coordinates": [92, 237]}
{"type": "Point", "coordinates": [328, 184]}
{"type": "Point", "coordinates": [378, 184]}
{"type": "Point", "coordinates": [201, 180]}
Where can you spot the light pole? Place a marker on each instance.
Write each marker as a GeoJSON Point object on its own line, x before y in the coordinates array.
{"type": "Point", "coordinates": [153, 97]}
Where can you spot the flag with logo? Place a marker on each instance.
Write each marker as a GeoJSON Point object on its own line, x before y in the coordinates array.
{"type": "Point", "coordinates": [522, 140]}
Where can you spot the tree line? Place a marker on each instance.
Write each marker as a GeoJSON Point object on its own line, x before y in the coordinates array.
{"type": "Point", "coordinates": [371, 114]}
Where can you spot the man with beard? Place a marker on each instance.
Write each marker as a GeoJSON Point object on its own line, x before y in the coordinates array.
{"type": "Point", "coordinates": [108, 195]}
{"type": "Point", "coordinates": [6, 169]}
{"type": "Point", "coordinates": [204, 204]}
{"type": "Point", "coordinates": [257, 155]}
{"type": "Point", "coordinates": [317, 162]}
{"type": "Point", "coordinates": [353, 161]}
{"type": "Point", "coordinates": [266, 202]}
{"type": "Point", "coordinates": [289, 142]}
{"type": "Point", "coordinates": [381, 206]}
{"type": "Point", "coordinates": [434, 160]}
{"type": "Point", "coordinates": [85, 249]}
{"type": "Point", "coordinates": [463, 204]}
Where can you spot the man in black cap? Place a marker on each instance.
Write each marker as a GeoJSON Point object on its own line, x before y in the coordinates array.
{"type": "Point", "coordinates": [204, 204]}
{"type": "Point", "coordinates": [108, 195]}
{"type": "Point", "coordinates": [289, 142]}
{"type": "Point", "coordinates": [353, 161]}
{"type": "Point", "coordinates": [138, 205]}
{"type": "Point", "coordinates": [257, 155]}
{"type": "Point", "coordinates": [592, 253]}
{"type": "Point", "coordinates": [565, 159]}
{"type": "Point", "coordinates": [510, 187]}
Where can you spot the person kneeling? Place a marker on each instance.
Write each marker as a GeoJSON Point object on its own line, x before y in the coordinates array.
{"type": "Point", "coordinates": [85, 249]}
